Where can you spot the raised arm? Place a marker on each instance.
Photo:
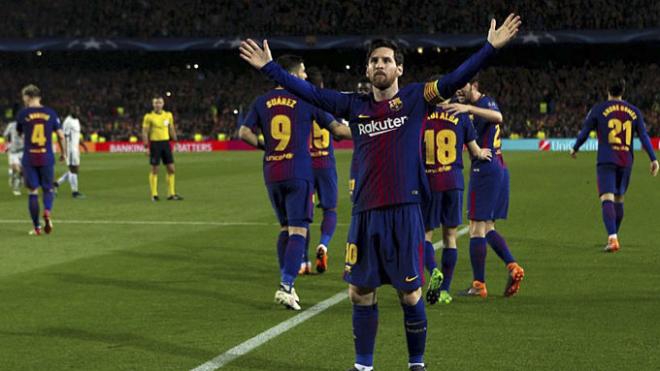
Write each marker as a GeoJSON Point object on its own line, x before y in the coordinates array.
{"type": "Point", "coordinates": [328, 100]}
{"type": "Point", "coordinates": [497, 38]}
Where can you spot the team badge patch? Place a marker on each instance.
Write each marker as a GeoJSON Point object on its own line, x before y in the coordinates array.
{"type": "Point", "coordinates": [396, 104]}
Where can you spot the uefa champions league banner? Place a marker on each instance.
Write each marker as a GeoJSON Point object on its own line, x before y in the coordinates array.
{"type": "Point", "coordinates": [312, 42]}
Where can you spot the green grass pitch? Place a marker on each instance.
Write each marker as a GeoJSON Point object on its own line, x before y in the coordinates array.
{"type": "Point", "coordinates": [106, 293]}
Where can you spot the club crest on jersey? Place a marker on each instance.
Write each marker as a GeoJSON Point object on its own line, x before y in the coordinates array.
{"type": "Point", "coordinates": [396, 104]}
{"type": "Point", "coordinates": [166, 122]}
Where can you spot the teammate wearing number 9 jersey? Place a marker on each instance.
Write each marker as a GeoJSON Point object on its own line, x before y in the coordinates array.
{"type": "Point", "coordinates": [615, 120]}
{"type": "Point", "coordinates": [488, 194]}
{"type": "Point", "coordinates": [286, 123]}
{"type": "Point", "coordinates": [37, 123]}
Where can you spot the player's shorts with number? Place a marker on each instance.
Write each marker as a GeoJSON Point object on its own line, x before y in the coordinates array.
{"type": "Point", "coordinates": [160, 151]}
{"type": "Point", "coordinates": [292, 201]}
{"type": "Point", "coordinates": [443, 209]}
{"type": "Point", "coordinates": [15, 158]}
{"type": "Point", "coordinates": [39, 176]}
{"type": "Point", "coordinates": [386, 246]}
{"type": "Point", "coordinates": [613, 179]}
{"type": "Point", "coordinates": [325, 184]}
{"type": "Point", "coordinates": [488, 193]}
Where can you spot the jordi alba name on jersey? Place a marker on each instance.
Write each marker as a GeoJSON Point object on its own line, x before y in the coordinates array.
{"type": "Point", "coordinates": [286, 123]}
{"type": "Point", "coordinates": [444, 137]}
{"type": "Point", "coordinates": [386, 137]}
{"type": "Point", "coordinates": [37, 125]}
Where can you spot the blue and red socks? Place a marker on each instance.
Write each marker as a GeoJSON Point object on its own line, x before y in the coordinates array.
{"type": "Point", "coordinates": [365, 327]}
{"type": "Point", "coordinates": [282, 241]}
{"type": "Point", "coordinates": [609, 217]}
{"type": "Point", "coordinates": [478, 249]}
{"type": "Point", "coordinates": [294, 249]}
{"type": "Point", "coordinates": [414, 320]}
{"type": "Point", "coordinates": [328, 226]}
{"type": "Point", "coordinates": [447, 265]}
{"type": "Point", "coordinates": [48, 199]}
{"type": "Point", "coordinates": [33, 206]}
{"type": "Point", "coordinates": [429, 256]}
{"type": "Point", "coordinates": [618, 209]}
{"type": "Point", "coordinates": [497, 242]}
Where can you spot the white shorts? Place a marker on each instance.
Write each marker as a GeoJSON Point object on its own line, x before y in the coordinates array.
{"type": "Point", "coordinates": [73, 157]}
{"type": "Point", "coordinates": [15, 158]}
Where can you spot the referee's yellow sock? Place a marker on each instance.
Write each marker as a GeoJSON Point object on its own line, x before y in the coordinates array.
{"type": "Point", "coordinates": [153, 184]}
{"type": "Point", "coordinates": [170, 185]}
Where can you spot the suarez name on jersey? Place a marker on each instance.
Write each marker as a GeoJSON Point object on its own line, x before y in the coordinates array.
{"type": "Point", "coordinates": [286, 123]}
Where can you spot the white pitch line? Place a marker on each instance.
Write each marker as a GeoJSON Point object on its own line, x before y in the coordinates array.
{"type": "Point", "coordinates": [271, 333]}
{"type": "Point", "coordinates": [148, 222]}
{"type": "Point", "coordinates": [283, 327]}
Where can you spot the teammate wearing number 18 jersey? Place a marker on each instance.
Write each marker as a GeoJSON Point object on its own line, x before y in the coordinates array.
{"type": "Point", "coordinates": [386, 236]}
{"type": "Point", "coordinates": [37, 124]}
{"type": "Point", "coordinates": [488, 198]}
{"type": "Point", "coordinates": [615, 120]}
{"type": "Point", "coordinates": [444, 137]}
{"type": "Point", "coordinates": [286, 123]}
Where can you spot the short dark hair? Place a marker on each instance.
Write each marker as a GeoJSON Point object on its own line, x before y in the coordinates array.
{"type": "Point", "coordinates": [157, 96]}
{"type": "Point", "coordinates": [617, 87]}
{"type": "Point", "coordinates": [386, 43]}
{"type": "Point", "coordinates": [290, 62]}
{"type": "Point", "coordinates": [314, 76]}
{"type": "Point", "coordinates": [31, 91]}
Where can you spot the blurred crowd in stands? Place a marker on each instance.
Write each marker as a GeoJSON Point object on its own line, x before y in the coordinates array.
{"type": "Point", "coordinates": [551, 100]}
{"type": "Point", "coordinates": [196, 18]}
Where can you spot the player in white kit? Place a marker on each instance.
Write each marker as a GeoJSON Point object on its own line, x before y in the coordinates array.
{"type": "Point", "coordinates": [71, 128]}
{"type": "Point", "coordinates": [14, 150]}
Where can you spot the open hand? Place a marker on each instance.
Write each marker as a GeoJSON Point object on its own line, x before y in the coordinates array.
{"type": "Point", "coordinates": [654, 167]}
{"type": "Point", "coordinates": [252, 53]}
{"type": "Point", "coordinates": [507, 31]}
{"type": "Point", "coordinates": [485, 154]}
{"type": "Point", "coordinates": [455, 108]}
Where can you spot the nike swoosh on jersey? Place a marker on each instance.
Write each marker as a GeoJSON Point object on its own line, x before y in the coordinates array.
{"type": "Point", "coordinates": [363, 116]}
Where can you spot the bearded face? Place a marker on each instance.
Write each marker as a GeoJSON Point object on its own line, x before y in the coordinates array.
{"type": "Point", "coordinates": [382, 69]}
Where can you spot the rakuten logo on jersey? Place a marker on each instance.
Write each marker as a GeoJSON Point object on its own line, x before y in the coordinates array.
{"type": "Point", "coordinates": [373, 128]}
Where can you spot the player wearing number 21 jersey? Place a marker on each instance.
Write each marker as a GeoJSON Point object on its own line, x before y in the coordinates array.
{"type": "Point", "coordinates": [286, 123]}
{"type": "Point", "coordinates": [37, 124]}
{"type": "Point", "coordinates": [615, 120]}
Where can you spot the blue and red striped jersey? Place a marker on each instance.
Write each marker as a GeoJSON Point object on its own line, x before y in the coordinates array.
{"type": "Point", "coordinates": [488, 133]}
{"type": "Point", "coordinates": [285, 122]}
{"type": "Point", "coordinates": [321, 148]}
{"type": "Point", "coordinates": [444, 137]}
{"type": "Point", "coordinates": [387, 135]}
{"type": "Point", "coordinates": [37, 125]}
{"type": "Point", "coordinates": [615, 122]}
